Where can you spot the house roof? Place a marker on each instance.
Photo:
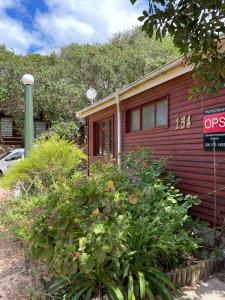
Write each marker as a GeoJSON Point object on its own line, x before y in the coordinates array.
{"type": "Point", "coordinates": [163, 74]}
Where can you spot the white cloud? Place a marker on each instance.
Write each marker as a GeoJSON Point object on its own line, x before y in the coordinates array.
{"type": "Point", "coordinates": [85, 21]}
{"type": "Point", "coordinates": [13, 33]}
{"type": "Point", "coordinates": [70, 21]}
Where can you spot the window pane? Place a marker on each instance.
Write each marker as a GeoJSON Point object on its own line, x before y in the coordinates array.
{"type": "Point", "coordinates": [110, 137]}
{"type": "Point", "coordinates": [148, 116]}
{"type": "Point", "coordinates": [135, 120]}
{"type": "Point", "coordinates": [105, 137]}
{"type": "Point", "coordinates": [98, 138]}
{"type": "Point", "coordinates": [162, 113]}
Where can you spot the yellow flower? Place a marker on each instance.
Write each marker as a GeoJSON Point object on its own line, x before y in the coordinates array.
{"type": "Point", "coordinates": [95, 212]}
{"type": "Point", "coordinates": [110, 186]}
{"type": "Point", "coordinates": [132, 199]}
{"type": "Point", "coordinates": [82, 243]}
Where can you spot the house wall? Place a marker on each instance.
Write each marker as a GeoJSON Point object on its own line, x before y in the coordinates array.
{"type": "Point", "coordinates": [188, 161]}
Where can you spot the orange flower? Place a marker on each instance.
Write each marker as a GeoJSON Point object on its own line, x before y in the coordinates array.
{"type": "Point", "coordinates": [145, 164]}
{"type": "Point", "coordinates": [132, 199]}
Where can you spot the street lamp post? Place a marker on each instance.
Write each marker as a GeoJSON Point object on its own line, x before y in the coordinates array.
{"type": "Point", "coordinates": [28, 81]}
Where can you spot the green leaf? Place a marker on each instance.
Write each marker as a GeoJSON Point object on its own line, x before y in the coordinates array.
{"type": "Point", "coordinates": [131, 288]}
{"type": "Point", "coordinates": [113, 290]}
{"type": "Point", "coordinates": [141, 18]}
{"type": "Point", "coordinates": [141, 277]}
{"type": "Point", "coordinates": [126, 270]}
{"type": "Point", "coordinates": [89, 293]}
{"type": "Point", "coordinates": [161, 289]}
{"type": "Point", "coordinates": [58, 285]}
{"type": "Point", "coordinates": [149, 293]}
{"type": "Point", "coordinates": [80, 293]}
{"type": "Point", "coordinates": [161, 277]}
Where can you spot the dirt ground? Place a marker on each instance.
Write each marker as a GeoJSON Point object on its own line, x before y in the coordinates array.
{"type": "Point", "coordinates": [15, 276]}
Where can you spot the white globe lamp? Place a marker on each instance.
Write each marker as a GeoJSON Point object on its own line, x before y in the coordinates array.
{"type": "Point", "coordinates": [91, 94]}
{"type": "Point", "coordinates": [27, 79]}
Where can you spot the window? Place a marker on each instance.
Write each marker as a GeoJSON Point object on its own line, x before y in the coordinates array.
{"type": "Point", "coordinates": [162, 113]}
{"type": "Point", "coordinates": [135, 120]}
{"type": "Point", "coordinates": [14, 156]}
{"type": "Point", "coordinates": [6, 127]}
{"type": "Point", "coordinates": [103, 137]}
{"type": "Point", "coordinates": [148, 116]}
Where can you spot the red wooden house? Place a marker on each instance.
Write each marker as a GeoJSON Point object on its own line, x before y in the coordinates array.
{"type": "Point", "coordinates": [154, 112]}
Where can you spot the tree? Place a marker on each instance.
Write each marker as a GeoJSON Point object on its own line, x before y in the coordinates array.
{"type": "Point", "coordinates": [61, 80]}
{"type": "Point", "coordinates": [197, 28]}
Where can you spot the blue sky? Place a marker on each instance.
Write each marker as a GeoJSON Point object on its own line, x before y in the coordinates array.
{"type": "Point", "coordinates": [29, 26]}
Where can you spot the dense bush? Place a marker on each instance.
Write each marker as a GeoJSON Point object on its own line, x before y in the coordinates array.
{"type": "Point", "coordinates": [110, 232]}
{"type": "Point", "coordinates": [48, 165]}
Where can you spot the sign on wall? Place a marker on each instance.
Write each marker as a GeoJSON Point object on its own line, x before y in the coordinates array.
{"type": "Point", "coordinates": [214, 129]}
{"type": "Point", "coordinates": [6, 127]}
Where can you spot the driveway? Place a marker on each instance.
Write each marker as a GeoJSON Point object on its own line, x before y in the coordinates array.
{"type": "Point", "coordinates": [211, 289]}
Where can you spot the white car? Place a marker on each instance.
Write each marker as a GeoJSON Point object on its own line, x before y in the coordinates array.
{"type": "Point", "coordinates": [10, 158]}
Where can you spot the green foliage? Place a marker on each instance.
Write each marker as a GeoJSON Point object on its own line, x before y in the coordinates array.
{"type": "Point", "coordinates": [197, 28]}
{"type": "Point", "coordinates": [49, 162]}
{"type": "Point", "coordinates": [138, 269]}
{"type": "Point", "coordinates": [112, 232]}
{"type": "Point", "coordinates": [66, 130]}
{"type": "Point", "coordinates": [218, 252]}
{"type": "Point", "coordinates": [61, 80]}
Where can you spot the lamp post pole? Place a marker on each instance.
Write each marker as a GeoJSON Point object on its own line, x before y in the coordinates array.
{"type": "Point", "coordinates": [28, 81]}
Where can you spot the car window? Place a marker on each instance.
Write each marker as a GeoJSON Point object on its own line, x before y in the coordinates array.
{"type": "Point", "coordinates": [4, 155]}
{"type": "Point", "coordinates": [14, 156]}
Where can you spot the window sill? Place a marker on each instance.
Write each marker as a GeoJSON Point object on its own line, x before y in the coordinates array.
{"type": "Point", "coordinates": [159, 128]}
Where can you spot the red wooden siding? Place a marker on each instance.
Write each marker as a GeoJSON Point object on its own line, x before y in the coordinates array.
{"type": "Point", "coordinates": [188, 160]}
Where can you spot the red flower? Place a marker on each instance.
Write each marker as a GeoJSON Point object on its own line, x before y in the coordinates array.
{"type": "Point", "coordinates": [145, 164]}
{"type": "Point", "coordinates": [76, 254]}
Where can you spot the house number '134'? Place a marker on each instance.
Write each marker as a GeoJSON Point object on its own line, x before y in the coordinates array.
{"type": "Point", "coordinates": [183, 122]}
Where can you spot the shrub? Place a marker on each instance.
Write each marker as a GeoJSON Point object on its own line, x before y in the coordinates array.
{"type": "Point", "coordinates": [113, 231]}
{"type": "Point", "coordinates": [49, 163]}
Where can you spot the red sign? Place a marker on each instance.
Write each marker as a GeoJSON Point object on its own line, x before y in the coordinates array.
{"type": "Point", "coordinates": [214, 129]}
{"type": "Point", "coordinates": [214, 123]}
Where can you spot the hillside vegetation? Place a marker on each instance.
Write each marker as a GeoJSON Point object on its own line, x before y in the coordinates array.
{"type": "Point", "coordinates": [62, 77]}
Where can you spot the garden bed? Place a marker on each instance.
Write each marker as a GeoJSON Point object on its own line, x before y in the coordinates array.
{"type": "Point", "coordinates": [192, 274]}
{"type": "Point", "coordinates": [186, 276]}
{"type": "Point", "coordinates": [116, 232]}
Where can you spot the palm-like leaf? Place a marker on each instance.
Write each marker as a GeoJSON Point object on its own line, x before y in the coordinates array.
{"type": "Point", "coordinates": [131, 287]}
{"type": "Point", "coordinates": [141, 279]}
{"type": "Point", "coordinates": [114, 291]}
